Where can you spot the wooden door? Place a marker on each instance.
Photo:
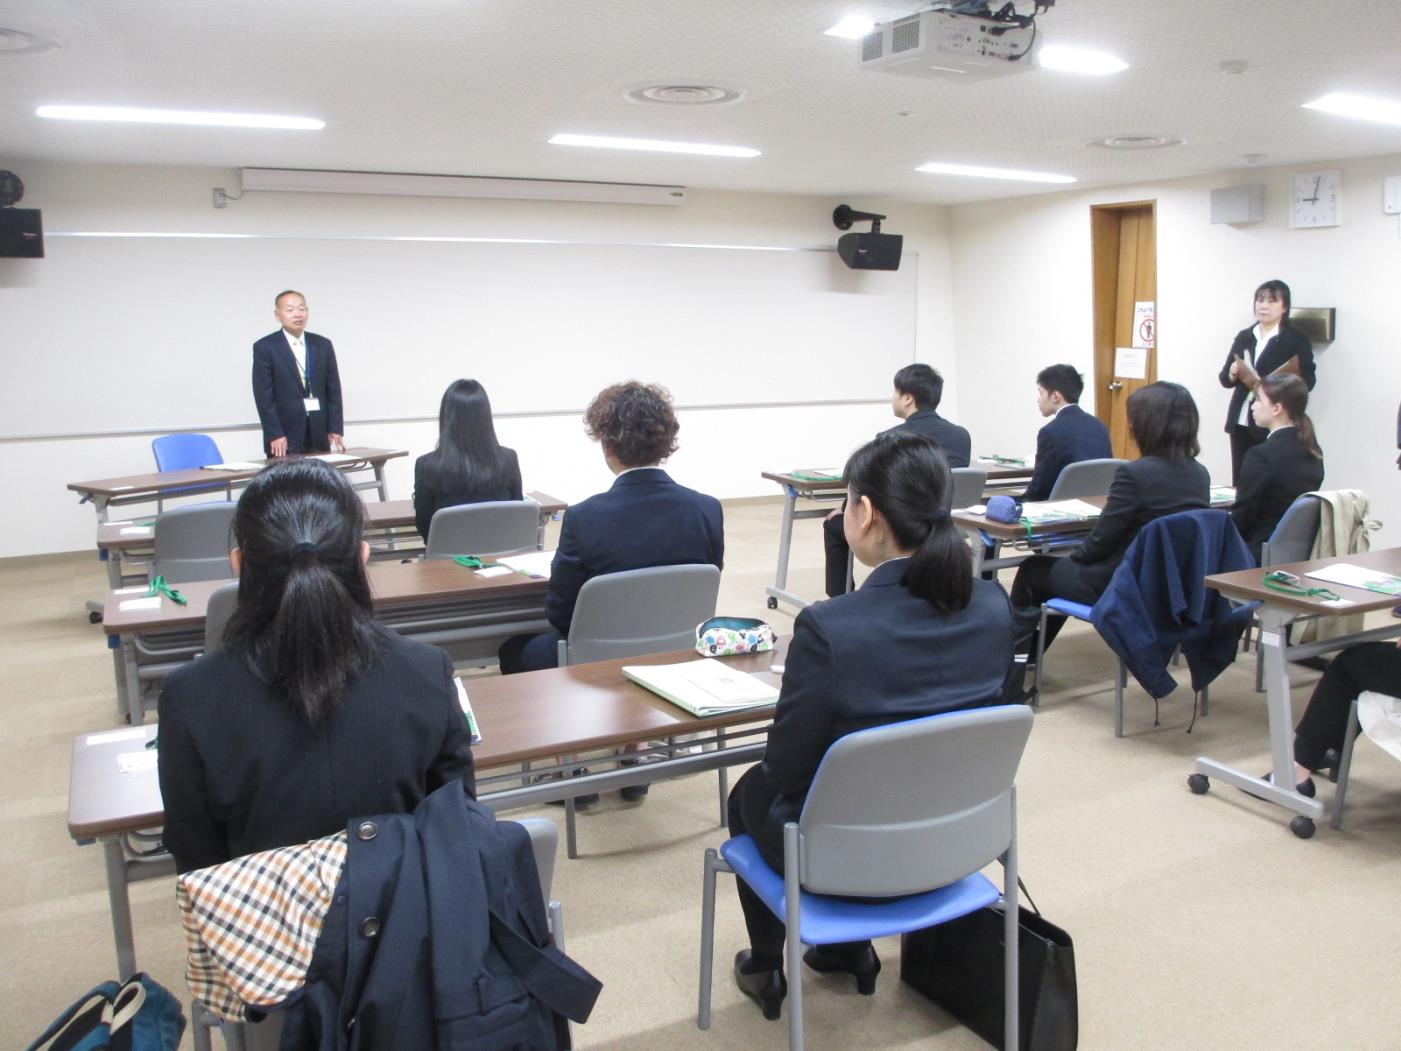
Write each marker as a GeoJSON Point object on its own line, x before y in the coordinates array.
{"type": "Point", "coordinates": [1124, 247]}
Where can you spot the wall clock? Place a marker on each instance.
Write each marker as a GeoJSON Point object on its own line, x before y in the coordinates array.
{"type": "Point", "coordinates": [1313, 199]}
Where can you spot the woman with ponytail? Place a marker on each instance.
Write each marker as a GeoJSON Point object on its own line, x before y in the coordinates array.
{"type": "Point", "coordinates": [311, 713]}
{"type": "Point", "coordinates": [1286, 465]}
{"type": "Point", "coordinates": [920, 636]}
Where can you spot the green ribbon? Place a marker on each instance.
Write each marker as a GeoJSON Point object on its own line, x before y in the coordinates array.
{"type": "Point", "coordinates": [473, 562]}
{"type": "Point", "coordinates": [160, 587]}
{"type": "Point", "coordinates": [1287, 584]}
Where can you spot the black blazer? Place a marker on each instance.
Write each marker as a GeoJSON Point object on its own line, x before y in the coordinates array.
{"type": "Point", "coordinates": [873, 656]}
{"type": "Point", "coordinates": [1287, 343]}
{"type": "Point", "coordinates": [1073, 435]}
{"type": "Point", "coordinates": [949, 437]}
{"type": "Point", "coordinates": [278, 393]}
{"type": "Point", "coordinates": [1141, 491]}
{"type": "Point", "coordinates": [644, 520]}
{"type": "Point", "coordinates": [430, 494]}
{"type": "Point", "coordinates": [240, 770]}
{"type": "Point", "coordinates": [1273, 475]}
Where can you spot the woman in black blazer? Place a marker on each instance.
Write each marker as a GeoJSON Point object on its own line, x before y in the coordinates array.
{"type": "Point", "coordinates": [1167, 479]}
{"type": "Point", "coordinates": [469, 466]}
{"type": "Point", "coordinates": [1286, 465]}
{"type": "Point", "coordinates": [311, 714]}
{"type": "Point", "coordinates": [1269, 344]}
{"type": "Point", "coordinates": [919, 637]}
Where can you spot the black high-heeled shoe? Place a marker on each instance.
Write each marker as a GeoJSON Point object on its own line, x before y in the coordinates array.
{"type": "Point", "coordinates": [765, 988]}
{"type": "Point", "coordinates": [1304, 788]}
{"type": "Point", "coordinates": [862, 964]}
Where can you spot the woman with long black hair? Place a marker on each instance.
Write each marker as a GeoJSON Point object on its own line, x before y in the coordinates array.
{"type": "Point", "coordinates": [311, 713]}
{"type": "Point", "coordinates": [469, 465]}
{"type": "Point", "coordinates": [1286, 465]}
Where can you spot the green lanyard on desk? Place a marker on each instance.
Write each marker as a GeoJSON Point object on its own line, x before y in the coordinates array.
{"type": "Point", "coordinates": [1006, 461]}
{"type": "Point", "coordinates": [1288, 584]}
{"type": "Point", "coordinates": [473, 562]}
{"type": "Point", "coordinates": [160, 587]}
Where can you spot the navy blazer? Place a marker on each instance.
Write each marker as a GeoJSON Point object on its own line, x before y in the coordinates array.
{"type": "Point", "coordinates": [878, 655]}
{"type": "Point", "coordinates": [1288, 342]}
{"type": "Point", "coordinates": [278, 393]}
{"type": "Point", "coordinates": [644, 520]}
{"type": "Point", "coordinates": [950, 437]}
{"type": "Point", "coordinates": [1073, 435]}
{"type": "Point", "coordinates": [430, 495]}
{"type": "Point", "coordinates": [1273, 475]}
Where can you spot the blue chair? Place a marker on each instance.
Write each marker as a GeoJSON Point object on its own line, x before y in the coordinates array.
{"type": "Point", "coordinates": [178, 452]}
{"type": "Point", "coordinates": [909, 811]}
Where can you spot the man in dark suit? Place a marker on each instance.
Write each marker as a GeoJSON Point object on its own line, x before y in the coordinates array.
{"type": "Point", "coordinates": [296, 385]}
{"type": "Point", "coordinates": [918, 391]}
{"type": "Point", "coordinates": [1071, 436]}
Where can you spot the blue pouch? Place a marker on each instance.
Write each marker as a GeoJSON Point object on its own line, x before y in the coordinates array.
{"type": "Point", "coordinates": [1003, 509]}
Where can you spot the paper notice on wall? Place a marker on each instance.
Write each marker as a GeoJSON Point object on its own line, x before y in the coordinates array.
{"type": "Point", "coordinates": [1144, 324]}
{"type": "Point", "coordinates": [1131, 363]}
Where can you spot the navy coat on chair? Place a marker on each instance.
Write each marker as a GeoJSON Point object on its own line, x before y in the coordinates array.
{"type": "Point", "coordinates": [279, 394]}
{"type": "Point", "coordinates": [1073, 435]}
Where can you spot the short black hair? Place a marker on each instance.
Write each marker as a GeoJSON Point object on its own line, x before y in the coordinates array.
{"type": "Point", "coordinates": [922, 383]}
{"type": "Point", "coordinates": [1274, 289]}
{"type": "Point", "coordinates": [1062, 380]}
{"type": "Point", "coordinates": [1163, 420]}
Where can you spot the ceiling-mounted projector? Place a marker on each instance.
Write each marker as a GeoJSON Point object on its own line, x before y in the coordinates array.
{"type": "Point", "coordinates": [948, 45]}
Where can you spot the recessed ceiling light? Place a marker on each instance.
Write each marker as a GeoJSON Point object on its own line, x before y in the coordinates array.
{"type": "Point", "coordinates": [129, 115]}
{"type": "Point", "coordinates": [1383, 111]}
{"type": "Point", "coordinates": [1080, 60]}
{"type": "Point", "coordinates": [608, 142]}
{"type": "Point", "coordinates": [1135, 142]}
{"type": "Point", "coordinates": [852, 27]}
{"type": "Point", "coordinates": [939, 168]}
{"type": "Point", "coordinates": [683, 95]}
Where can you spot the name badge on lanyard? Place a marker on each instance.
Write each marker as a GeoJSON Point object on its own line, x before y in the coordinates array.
{"type": "Point", "coordinates": [308, 402]}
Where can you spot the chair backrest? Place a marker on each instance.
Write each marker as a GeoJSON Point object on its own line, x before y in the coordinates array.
{"type": "Point", "coordinates": [192, 543]}
{"type": "Point", "coordinates": [544, 843]}
{"type": "Point", "coordinates": [175, 452]}
{"type": "Point", "coordinates": [640, 611]}
{"type": "Point", "coordinates": [968, 486]}
{"type": "Point", "coordinates": [907, 807]}
{"type": "Point", "coordinates": [222, 602]}
{"type": "Point", "coordinates": [1085, 478]}
{"type": "Point", "coordinates": [496, 527]}
{"type": "Point", "coordinates": [1292, 539]}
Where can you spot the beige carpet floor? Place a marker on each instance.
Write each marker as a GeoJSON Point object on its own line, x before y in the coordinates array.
{"type": "Point", "coordinates": [1199, 923]}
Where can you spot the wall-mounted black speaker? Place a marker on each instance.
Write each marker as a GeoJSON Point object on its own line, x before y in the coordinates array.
{"type": "Point", "coordinates": [870, 251]}
{"type": "Point", "coordinates": [21, 234]}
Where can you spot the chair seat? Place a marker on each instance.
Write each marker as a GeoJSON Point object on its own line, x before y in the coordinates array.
{"type": "Point", "coordinates": [1064, 606]}
{"type": "Point", "coordinates": [825, 920]}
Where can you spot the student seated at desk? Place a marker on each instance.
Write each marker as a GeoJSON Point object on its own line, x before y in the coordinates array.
{"type": "Point", "coordinates": [1364, 667]}
{"type": "Point", "coordinates": [1071, 436]}
{"type": "Point", "coordinates": [1163, 421]}
{"type": "Point", "coordinates": [919, 637]}
{"type": "Point", "coordinates": [469, 466]}
{"type": "Point", "coordinates": [918, 391]}
{"type": "Point", "coordinates": [311, 714]}
{"type": "Point", "coordinates": [1283, 467]}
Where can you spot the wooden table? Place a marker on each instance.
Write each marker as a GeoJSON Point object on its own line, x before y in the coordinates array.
{"type": "Point", "coordinates": [524, 719]}
{"type": "Point", "coordinates": [980, 530]}
{"type": "Point", "coordinates": [1277, 610]}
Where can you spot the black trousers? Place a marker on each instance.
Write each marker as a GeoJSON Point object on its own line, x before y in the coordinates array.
{"type": "Point", "coordinates": [1039, 578]}
{"type": "Point", "coordinates": [1241, 443]}
{"type": "Point", "coordinates": [837, 554]}
{"type": "Point", "coordinates": [1357, 669]}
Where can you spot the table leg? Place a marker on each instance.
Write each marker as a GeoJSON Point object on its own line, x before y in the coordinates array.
{"type": "Point", "coordinates": [119, 672]}
{"type": "Point", "coordinates": [382, 484]}
{"type": "Point", "coordinates": [120, 904]}
{"type": "Point", "coordinates": [785, 540]}
{"type": "Point", "coordinates": [975, 544]}
{"type": "Point", "coordinates": [135, 711]}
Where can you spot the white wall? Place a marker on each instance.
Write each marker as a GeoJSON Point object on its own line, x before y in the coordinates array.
{"type": "Point", "coordinates": [723, 450]}
{"type": "Point", "coordinates": [1021, 282]}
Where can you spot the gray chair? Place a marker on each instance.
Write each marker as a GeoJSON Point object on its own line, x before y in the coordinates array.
{"type": "Point", "coordinates": [968, 486]}
{"type": "Point", "coordinates": [1085, 478]}
{"type": "Point", "coordinates": [896, 811]}
{"type": "Point", "coordinates": [192, 543]}
{"type": "Point", "coordinates": [496, 527]}
{"type": "Point", "coordinates": [1376, 704]}
{"type": "Point", "coordinates": [1291, 541]}
{"type": "Point", "coordinates": [639, 611]}
{"type": "Point", "coordinates": [222, 602]}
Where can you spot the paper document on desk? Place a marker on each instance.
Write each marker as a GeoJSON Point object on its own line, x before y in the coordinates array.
{"type": "Point", "coordinates": [704, 687]}
{"type": "Point", "coordinates": [1357, 577]}
{"type": "Point", "coordinates": [467, 711]}
{"type": "Point", "coordinates": [335, 458]}
{"type": "Point", "coordinates": [1059, 511]}
{"type": "Point", "coordinates": [1222, 494]}
{"type": "Point", "coordinates": [135, 762]}
{"type": "Point", "coordinates": [234, 465]}
{"type": "Point", "coordinates": [533, 563]}
{"type": "Point", "coordinates": [819, 474]}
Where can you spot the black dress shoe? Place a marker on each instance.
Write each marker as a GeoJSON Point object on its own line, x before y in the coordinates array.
{"type": "Point", "coordinates": [632, 793]}
{"type": "Point", "coordinates": [765, 988]}
{"type": "Point", "coordinates": [861, 963]}
{"type": "Point", "coordinates": [581, 802]}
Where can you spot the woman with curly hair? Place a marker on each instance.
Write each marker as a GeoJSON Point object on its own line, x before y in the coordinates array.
{"type": "Point", "coordinates": [644, 520]}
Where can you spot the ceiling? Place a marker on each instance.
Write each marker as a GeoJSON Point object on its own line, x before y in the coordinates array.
{"type": "Point", "coordinates": [476, 87]}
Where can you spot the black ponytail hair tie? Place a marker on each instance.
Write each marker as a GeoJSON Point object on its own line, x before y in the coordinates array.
{"type": "Point", "coordinates": [305, 548]}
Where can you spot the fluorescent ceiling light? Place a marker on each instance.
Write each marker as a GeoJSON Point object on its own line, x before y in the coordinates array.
{"type": "Point", "coordinates": [129, 115]}
{"type": "Point", "coordinates": [607, 142]}
{"type": "Point", "coordinates": [1360, 106]}
{"type": "Point", "coordinates": [407, 184]}
{"type": "Point", "coordinates": [1079, 60]}
{"type": "Point", "coordinates": [852, 27]}
{"type": "Point", "coordinates": [939, 168]}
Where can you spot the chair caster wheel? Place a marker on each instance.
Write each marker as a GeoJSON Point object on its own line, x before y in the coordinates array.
{"type": "Point", "coordinates": [1198, 783]}
{"type": "Point", "coordinates": [94, 617]}
{"type": "Point", "coordinates": [1302, 827]}
{"type": "Point", "coordinates": [772, 603]}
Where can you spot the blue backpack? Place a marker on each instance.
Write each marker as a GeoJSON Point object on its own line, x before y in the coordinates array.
{"type": "Point", "coordinates": [136, 1015]}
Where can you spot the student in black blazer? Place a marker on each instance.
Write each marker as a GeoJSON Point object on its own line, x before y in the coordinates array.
{"type": "Point", "coordinates": [644, 520]}
{"type": "Point", "coordinates": [1168, 479]}
{"type": "Point", "coordinates": [296, 385]}
{"type": "Point", "coordinates": [918, 391]}
{"type": "Point", "coordinates": [919, 637]}
{"type": "Point", "coordinates": [311, 714]}
{"type": "Point", "coordinates": [1271, 343]}
{"type": "Point", "coordinates": [1286, 465]}
{"type": "Point", "coordinates": [469, 466]}
{"type": "Point", "coordinates": [1071, 436]}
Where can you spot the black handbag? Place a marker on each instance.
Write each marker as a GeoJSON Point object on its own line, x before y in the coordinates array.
{"type": "Point", "coordinates": [959, 965]}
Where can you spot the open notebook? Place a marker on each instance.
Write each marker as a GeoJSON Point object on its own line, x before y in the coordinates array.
{"type": "Point", "coordinates": [704, 687]}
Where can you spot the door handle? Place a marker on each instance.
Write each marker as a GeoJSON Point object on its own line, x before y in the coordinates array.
{"type": "Point", "coordinates": [1115, 385]}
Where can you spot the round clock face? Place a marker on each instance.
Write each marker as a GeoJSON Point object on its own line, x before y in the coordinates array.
{"type": "Point", "coordinates": [11, 189]}
{"type": "Point", "coordinates": [1313, 199]}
